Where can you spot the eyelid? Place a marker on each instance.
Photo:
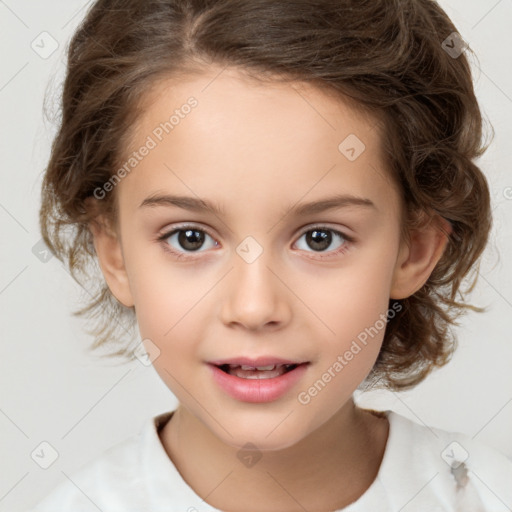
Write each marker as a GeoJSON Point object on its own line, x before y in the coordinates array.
{"type": "Point", "coordinates": [326, 226]}
{"type": "Point", "coordinates": [164, 233]}
{"type": "Point", "coordinates": [168, 231]}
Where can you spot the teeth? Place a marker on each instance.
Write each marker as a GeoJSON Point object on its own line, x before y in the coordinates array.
{"type": "Point", "coordinates": [260, 368]}
{"type": "Point", "coordinates": [258, 372]}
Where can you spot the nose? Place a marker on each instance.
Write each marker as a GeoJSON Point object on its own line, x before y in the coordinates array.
{"type": "Point", "coordinates": [254, 296]}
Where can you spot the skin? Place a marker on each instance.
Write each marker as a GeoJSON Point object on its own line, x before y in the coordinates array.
{"type": "Point", "coordinates": [257, 150]}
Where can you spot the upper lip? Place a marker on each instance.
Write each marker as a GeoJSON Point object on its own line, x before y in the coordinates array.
{"type": "Point", "coordinates": [259, 361]}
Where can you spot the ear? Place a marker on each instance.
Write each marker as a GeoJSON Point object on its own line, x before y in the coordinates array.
{"type": "Point", "coordinates": [111, 260]}
{"type": "Point", "coordinates": [418, 258]}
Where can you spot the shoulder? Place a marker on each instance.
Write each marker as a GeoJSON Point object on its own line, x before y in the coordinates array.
{"type": "Point", "coordinates": [86, 488]}
{"type": "Point", "coordinates": [113, 481]}
{"type": "Point", "coordinates": [452, 465]}
{"type": "Point", "coordinates": [134, 475]}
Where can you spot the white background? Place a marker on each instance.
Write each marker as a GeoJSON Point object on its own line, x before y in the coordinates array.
{"type": "Point", "coordinates": [52, 390]}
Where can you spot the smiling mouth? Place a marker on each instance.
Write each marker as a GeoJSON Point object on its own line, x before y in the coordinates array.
{"type": "Point", "coordinates": [259, 372]}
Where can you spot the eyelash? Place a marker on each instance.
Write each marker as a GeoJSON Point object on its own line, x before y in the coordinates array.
{"type": "Point", "coordinates": [184, 256]}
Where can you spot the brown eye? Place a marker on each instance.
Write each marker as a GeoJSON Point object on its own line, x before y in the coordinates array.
{"type": "Point", "coordinates": [187, 239]}
{"type": "Point", "coordinates": [190, 239]}
{"type": "Point", "coordinates": [320, 238]}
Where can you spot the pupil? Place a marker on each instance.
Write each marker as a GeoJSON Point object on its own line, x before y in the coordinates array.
{"type": "Point", "coordinates": [186, 237]}
{"type": "Point", "coordinates": [319, 237]}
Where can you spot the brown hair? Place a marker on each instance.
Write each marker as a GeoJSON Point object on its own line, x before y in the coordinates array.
{"type": "Point", "coordinates": [385, 56]}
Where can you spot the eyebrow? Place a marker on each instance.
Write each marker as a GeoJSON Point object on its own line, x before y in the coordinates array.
{"type": "Point", "coordinates": [202, 205]}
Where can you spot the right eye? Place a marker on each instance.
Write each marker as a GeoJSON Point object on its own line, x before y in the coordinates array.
{"type": "Point", "coordinates": [189, 238]}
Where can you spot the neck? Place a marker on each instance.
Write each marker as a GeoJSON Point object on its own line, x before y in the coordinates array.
{"type": "Point", "coordinates": [329, 469]}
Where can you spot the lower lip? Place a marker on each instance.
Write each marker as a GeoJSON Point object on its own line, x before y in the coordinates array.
{"type": "Point", "coordinates": [257, 390]}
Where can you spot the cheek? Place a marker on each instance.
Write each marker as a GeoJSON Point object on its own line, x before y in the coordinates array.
{"type": "Point", "coordinates": [166, 310]}
{"type": "Point", "coordinates": [168, 318]}
{"type": "Point", "coordinates": [355, 313]}
{"type": "Point", "coordinates": [352, 299]}
{"type": "Point", "coordinates": [165, 293]}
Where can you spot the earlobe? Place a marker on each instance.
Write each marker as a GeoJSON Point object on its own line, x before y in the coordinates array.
{"type": "Point", "coordinates": [111, 260]}
{"type": "Point", "coordinates": [418, 258]}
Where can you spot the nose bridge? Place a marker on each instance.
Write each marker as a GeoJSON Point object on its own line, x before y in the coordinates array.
{"type": "Point", "coordinates": [252, 274]}
{"type": "Point", "coordinates": [255, 295]}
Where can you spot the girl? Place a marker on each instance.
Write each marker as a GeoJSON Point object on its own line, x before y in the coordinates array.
{"type": "Point", "coordinates": [283, 196]}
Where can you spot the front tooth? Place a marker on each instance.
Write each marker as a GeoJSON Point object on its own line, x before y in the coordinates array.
{"type": "Point", "coordinates": [254, 374]}
{"type": "Point", "coordinates": [261, 368]}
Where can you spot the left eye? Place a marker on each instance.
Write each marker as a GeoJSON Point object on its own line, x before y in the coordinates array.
{"type": "Point", "coordinates": [320, 238]}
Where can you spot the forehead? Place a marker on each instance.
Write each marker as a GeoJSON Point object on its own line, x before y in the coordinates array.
{"type": "Point", "coordinates": [230, 95]}
{"type": "Point", "coordinates": [258, 139]}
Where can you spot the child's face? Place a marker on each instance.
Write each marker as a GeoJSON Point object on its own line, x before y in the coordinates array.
{"type": "Point", "coordinates": [259, 283]}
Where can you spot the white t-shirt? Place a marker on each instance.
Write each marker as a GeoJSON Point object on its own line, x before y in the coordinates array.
{"type": "Point", "coordinates": [420, 472]}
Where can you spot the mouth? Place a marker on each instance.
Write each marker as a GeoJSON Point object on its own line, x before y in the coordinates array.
{"type": "Point", "coordinates": [257, 380]}
{"type": "Point", "coordinates": [270, 371]}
